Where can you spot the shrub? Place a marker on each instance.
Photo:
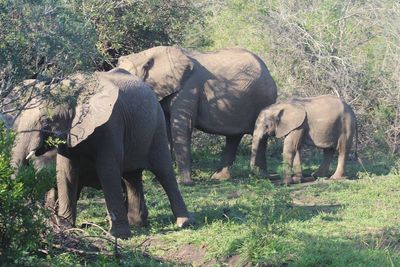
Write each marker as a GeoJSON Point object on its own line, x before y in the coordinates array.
{"type": "Point", "coordinates": [22, 227]}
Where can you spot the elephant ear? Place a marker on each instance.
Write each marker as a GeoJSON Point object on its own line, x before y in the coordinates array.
{"type": "Point", "coordinates": [176, 73]}
{"type": "Point", "coordinates": [165, 68]}
{"type": "Point", "coordinates": [289, 117]}
{"type": "Point", "coordinates": [94, 108]}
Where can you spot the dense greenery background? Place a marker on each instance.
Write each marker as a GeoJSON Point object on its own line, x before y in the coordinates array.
{"type": "Point", "coordinates": [346, 48]}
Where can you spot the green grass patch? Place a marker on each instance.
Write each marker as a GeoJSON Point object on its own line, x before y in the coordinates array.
{"type": "Point", "coordinates": [352, 222]}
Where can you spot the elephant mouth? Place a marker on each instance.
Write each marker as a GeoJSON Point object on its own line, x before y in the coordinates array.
{"type": "Point", "coordinates": [41, 149]}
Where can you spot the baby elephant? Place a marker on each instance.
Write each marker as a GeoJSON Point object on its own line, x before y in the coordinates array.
{"type": "Point", "coordinates": [325, 121]}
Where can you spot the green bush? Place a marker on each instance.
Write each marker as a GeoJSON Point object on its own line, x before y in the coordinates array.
{"type": "Point", "coordinates": [44, 36]}
{"type": "Point", "coordinates": [22, 225]}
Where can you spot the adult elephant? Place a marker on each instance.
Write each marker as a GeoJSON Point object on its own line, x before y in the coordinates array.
{"type": "Point", "coordinates": [219, 93]}
{"type": "Point", "coordinates": [115, 128]}
{"type": "Point", "coordinates": [21, 155]}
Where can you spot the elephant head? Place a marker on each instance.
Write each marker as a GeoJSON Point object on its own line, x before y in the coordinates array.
{"type": "Point", "coordinates": [165, 68]}
{"type": "Point", "coordinates": [277, 120]}
{"type": "Point", "coordinates": [72, 122]}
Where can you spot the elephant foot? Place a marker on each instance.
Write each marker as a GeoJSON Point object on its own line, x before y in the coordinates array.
{"type": "Point", "coordinates": [259, 172]}
{"type": "Point", "coordinates": [337, 177]}
{"type": "Point", "coordinates": [319, 174]}
{"type": "Point", "coordinates": [297, 179]}
{"type": "Point", "coordinates": [139, 221]}
{"type": "Point", "coordinates": [64, 223]}
{"type": "Point", "coordinates": [292, 180]}
{"type": "Point", "coordinates": [186, 182]}
{"type": "Point", "coordinates": [221, 175]}
{"type": "Point", "coordinates": [121, 231]}
{"type": "Point", "coordinates": [183, 222]}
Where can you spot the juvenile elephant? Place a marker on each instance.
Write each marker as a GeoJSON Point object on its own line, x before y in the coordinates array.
{"type": "Point", "coordinates": [115, 128]}
{"type": "Point", "coordinates": [219, 93]}
{"type": "Point", "coordinates": [325, 122]}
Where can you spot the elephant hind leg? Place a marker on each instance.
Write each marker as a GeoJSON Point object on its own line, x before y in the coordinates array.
{"type": "Point", "coordinates": [343, 146]}
{"type": "Point", "coordinates": [228, 157]}
{"type": "Point", "coordinates": [161, 166]}
{"type": "Point", "coordinates": [323, 170]}
{"type": "Point", "coordinates": [136, 205]}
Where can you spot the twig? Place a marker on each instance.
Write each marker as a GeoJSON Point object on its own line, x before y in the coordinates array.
{"type": "Point", "coordinates": [102, 237]}
{"type": "Point", "coordinates": [79, 251]}
{"type": "Point", "coordinates": [74, 229]}
{"type": "Point", "coordinates": [98, 226]}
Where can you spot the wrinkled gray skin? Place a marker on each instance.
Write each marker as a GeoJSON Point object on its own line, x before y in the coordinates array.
{"type": "Point", "coordinates": [220, 93]}
{"type": "Point", "coordinates": [325, 122]}
{"type": "Point", "coordinates": [18, 158]}
{"type": "Point", "coordinates": [118, 131]}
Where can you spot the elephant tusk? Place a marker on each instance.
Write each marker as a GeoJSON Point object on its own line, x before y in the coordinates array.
{"type": "Point", "coordinates": [30, 154]}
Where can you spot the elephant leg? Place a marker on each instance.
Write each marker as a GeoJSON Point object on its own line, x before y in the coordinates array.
{"type": "Point", "coordinates": [258, 161]}
{"type": "Point", "coordinates": [342, 158]}
{"type": "Point", "coordinates": [67, 188]}
{"type": "Point", "coordinates": [183, 115]}
{"type": "Point", "coordinates": [161, 166]}
{"type": "Point", "coordinates": [51, 199]}
{"type": "Point", "coordinates": [228, 157]}
{"type": "Point", "coordinates": [291, 147]}
{"type": "Point", "coordinates": [110, 178]}
{"type": "Point", "coordinates": [298, 175]}
{"type": "Point", "coordinates": [323, 169]}
{"type": "Point", "coordinates": [169, 134]}
{"type": "Point", "coordinates": [167, 180]}
{"type": "Point", "coordinates": [136, 205]}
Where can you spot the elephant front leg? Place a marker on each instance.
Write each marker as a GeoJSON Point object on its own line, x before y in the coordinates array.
{"type": "Point", "coordinates": [288, 155]}
{"type": "Point", "coordinates": [67, 187]}
{"type": "Point", "coordinates": [110, 178]}
{"type": "Point", "coordinates": [298, 175]}
{"type": "Point", "coordinates": [136, 205]}
{"type": "Point", "coordinates": [258, 160]}
{"type": "Point", "coordinates": [291, 152]}
{"type": "Point", "coordinates": [228, 157]}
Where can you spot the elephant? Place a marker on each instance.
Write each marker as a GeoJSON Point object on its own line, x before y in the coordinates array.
{"type": "Point", "coordinates": [326, 122]}
{"type": "Point", "coordinates": [218, 92]}
{"type": "Point", "coordinates": [114, 128]}
{"type": "Point", "coordinates": [20, 156]}
{"type": "Point", "coordinates": [21, 153]}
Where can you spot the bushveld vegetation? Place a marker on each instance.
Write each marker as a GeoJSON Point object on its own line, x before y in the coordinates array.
{"type": "Point", "coordinates": [346, 48]}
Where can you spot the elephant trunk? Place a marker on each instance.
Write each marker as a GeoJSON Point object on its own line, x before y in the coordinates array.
{"type": "Point", "coordinates": [258, 163]}
{"type": "Point", "coordinates": [18, 154]}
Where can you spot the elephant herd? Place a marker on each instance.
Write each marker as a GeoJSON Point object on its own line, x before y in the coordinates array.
{"type": "Point", "coordinates": [139, 114]}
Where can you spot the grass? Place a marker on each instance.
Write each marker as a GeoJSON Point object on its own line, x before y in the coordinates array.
{"type": "Point", "coordinates": [353, 222]}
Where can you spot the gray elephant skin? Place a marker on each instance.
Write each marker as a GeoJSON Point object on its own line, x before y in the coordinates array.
{"type": "Point", "coordinates": [116, 129]}
{"type": "Point", "coordinates": [219, 93]}
{"type": "Point", "coordinates": [87, 177]}
{"type": "Point", "coordinates": [20, 153]}
{"type": "Point", "coordinates": [325, 122]}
